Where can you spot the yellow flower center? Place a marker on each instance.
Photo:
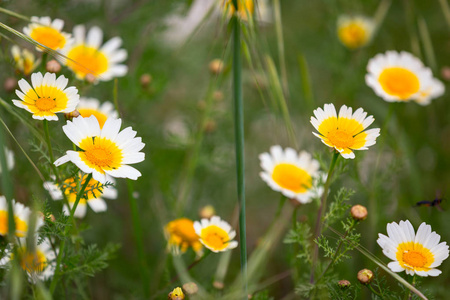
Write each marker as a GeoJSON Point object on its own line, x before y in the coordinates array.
{"type": "Point", "coordinates": [21, 225]}
{"type": "Point", "coordinates": [32, 262]}
{"type": "Point", "coordinates": [414, 256]}
{"type": "Point", "coordinates": [101, 154]}
{"type": "Point", "coordinates": [87, 112]}
{"type": "Point", "coordinates": [400, 82]}
{"type": "Point", "coordinates": [49, 37]}
{"type": "Point", "coordinates": [353, 35]}
{"type": "Point", "coordinates": [45, 104]}
{"type": "Point", "coordinates": [292, 178]}
{"type": "Point", "coordinates": [340, 138]}
{"type": "Point", "coordinates": [88, 60]}
{"type": "Point", "coordinates": [215, 237]}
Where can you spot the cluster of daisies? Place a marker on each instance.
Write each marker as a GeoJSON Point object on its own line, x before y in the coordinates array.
{"type": "Point", "coordinates": [102, 151]}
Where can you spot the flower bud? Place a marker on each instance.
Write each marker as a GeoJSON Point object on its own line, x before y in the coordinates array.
{"type": "Point", "coordinates": [216, 66]}
{"type": "Point", "coordinates": [71, 115]}
{"type": "Point", "coordinates": [365, 276]}
{"type": "Point", "coordinates": [218, 285]}
{"type": "Point", "coordinates": [53, 66]}
{"type": "Point", "coordinates": [190, 288]}
{"type": "Point", "coordinates": [445, 73]}
{"type": "Point", "coordinates": [358, 212]}
{"type": "Point", "coordinates": [344, 284]}
{"type": "Point", "coordinates": [145, 80]}
{"type": "Point", "coordinates": [10, 84]}
{"type": "Point", "coordinates": [91, 78]}
{"type": "Point", "coordinates": [176, 294]}
{"type": "Point", "coordinates": [206, 212]}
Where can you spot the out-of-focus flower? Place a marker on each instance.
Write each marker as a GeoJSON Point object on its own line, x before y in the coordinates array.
{"type": "Point", "coordinates": [10, 84]}
{"type": "Point", "coordinates": [190, 288]}
{"type": "Point", "coordinates": [215, 234]}
{"type": "Point", "coordinates": [48, 33]}
{"type": "Point", "coordinates": [207, 211]}
{"type": "Point", "coordinates": [181, 235]}
{"type": "Point", "coordinates": [104, 151]}
{"type": "Point", "coordinates": [101, 62]}
{"type": "Point", "coordinates": [355, 32]}
{"type": "Point", "coordinates": [94, 197]}
{"type": "Point", "coordinates": [39, 264]}
{"type": "Point", "coordinates": [9, 159]}
{"type": "Point", "coordinates": [414, 253]}
{"type": "Point", "coordinates": [401, 77]}
{"type": "Point", "coordinates": [216, 66]}
{"type": "Point", "coordinates": [295, 175]}
{"type": "Point", "coordinates": [92, 107]}
{"type": "Point", "coordinates": [24, 59]}
{"type": "Point", "coordinates": [176, 294]}
{"type": "Point", "coordinates": [145, 80]}
{"type": "Point", "coordinates": [21, 218]}
{"type": "Point", "coordinates": [53, 66]}
{"type": "Point", "coordinates": [345, 132]}
{"type": "Point", "coordinates": [47, 96]}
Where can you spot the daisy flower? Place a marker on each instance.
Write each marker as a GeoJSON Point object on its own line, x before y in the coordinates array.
{"type": "Point", "coordinates": [215, 234]}
{"type": "Point", "coordinates": [48, 33]}
{"type": "Point", "coordinates": [94, 197]}
{"type": "Point", "coordinates": [104, 151]}
{"type": "Point", "coordinates": [345, 132]}
{"type": "Point", "coordinates": [401, 77]}
{"type": "Point", "coordinates": [9, 159]}
{"type": "Point", "coordinates": [87, 55]}
{"type": "Point", "coordinates": [293, 174]}
{"type": "Point", "coordinates": [434, 90]}
{"type": "Point", "coordinates": [413, 253]}
{"type": "Point", "coordinates": [355, 32]}
{"type": "Point", "coordinates": [21, 218]}
{"type": "Point", "coordinates": [181, 235]}
{"type": "Point", "coordinates": [39, 265]}
{"type": "Point", "coordinates": [47, 96]}
{"type": "Point", "coordinates": [24, 60]}
{"type": "Point", "coordinates": [91, 107]}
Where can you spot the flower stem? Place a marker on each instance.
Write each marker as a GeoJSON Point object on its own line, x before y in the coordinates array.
{"type": "Point", "coordinates": [322, 209]}
{"type": "Point", "coordinates": [80, 194]}
{"type": "Point", "coordinates": [239, 141]}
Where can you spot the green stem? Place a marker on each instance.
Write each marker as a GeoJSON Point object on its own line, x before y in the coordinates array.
{"type": "Point", "coordinates": [322, 209]}
{"type": "Point", "coordinates": [239, 142]}
{"type": "Point", "coordinates": [373, 290]}
{"type": "Point", "coordinates": [80, 195]}
{"type": "Point", "coordinates": [138, 234]}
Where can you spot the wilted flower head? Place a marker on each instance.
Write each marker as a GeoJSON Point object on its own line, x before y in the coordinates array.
{"type": "Point", "coordinates": [47, 96]}
{"type": "Point", "coordinates": [215, 234]}
{"type": "Point", "coordinates": [181, 235]}
{"type": "Point", "coordinates": [48, 33]}
{"type": "Point", "coordinates": [24, 60]}
{"type": "Point", "coordinates": [401, 77]}
{"type": "Point", "coordinates": [295, 175]}
{"type": "Point", "coordinates": [416, 253]}
{"type": "Point", "coordinates": [344, 132]}
{"type": "Point", "coordinates": [355, 32]}
{"type": "Point", "coordinates": [105, 151]}
{"type": "Point", "coordinates": [88, 56]}
{"type": "Point", "coordinates": [95, 195]}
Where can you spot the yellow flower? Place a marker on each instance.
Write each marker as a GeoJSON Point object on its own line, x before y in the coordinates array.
{"type": "Point", "coordinates": [24, 59]}
{"type": "Point", "coordinates": [246, 8]}
{"type": "Point", "coordinates": [416, 253]}
{"type": "Point", "coordinates": [345, 132]}
{"type": "Point", "coordinates": [181, 235]}
{"type": "Point", "coordinates": [293, 174]}
{"type": "Point", "coordinates": [355, 32]}
{"type": "Point", "coordinates": [47, 32]}
{"type": "Point", "coordinates": [47, 96]}
{"type": "Point", "coordinates": [21, 218]}
{"type": "Point", "coordinates": [401, 77]}
{"type": "Point", "coordinates": [91, 107]}
{"type": "Point", "coordinates": [88, 56]}
{"type": "Point", "coordinates": [176, 294]}
{"type": "Point", "coordinates": [215, 234]}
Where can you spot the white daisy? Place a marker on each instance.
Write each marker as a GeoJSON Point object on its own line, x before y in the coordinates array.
{"type": "Point", "coordinates": [414, 253]}
{"type": "Point", "coordinates": [91, 106]}
{"type": "Point", "coordinates": [104, 151]}
{"type": "Point", "coordinates": [215, 234]}
{"type": "Point", "coordinates": [47, 96]}
{"type": "Point", "coordinates": [88, 56]}
{"type": "Point", "coordinates": [47, 32]}
{"type": "Point", "coordinates": [295, 175]}
{"type": "Point", "coordinates": [434, 90]}
{"type": "Point", "coordinates": [24, 59]}
{"type": "Point", "coordinates": [39, 265]}
{"type": "Point", "coordinates": [95, 197]}
{"type": "Point", "coordinates": [399, 77]}
{"type": "Point", "coordinates": [21, 218]}
{"type": "Point", "coordinates": [355, 32]}
{"type": "Point", "coordinates": [345, 132]}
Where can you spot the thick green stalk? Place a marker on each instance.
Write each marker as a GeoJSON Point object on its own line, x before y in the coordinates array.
{"type": "Point", "coordinates": [138, 234]}
{"type": "Point", "coordinates": [239, 141]}
{"type": "Point", "coordinates": [322, 209]}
